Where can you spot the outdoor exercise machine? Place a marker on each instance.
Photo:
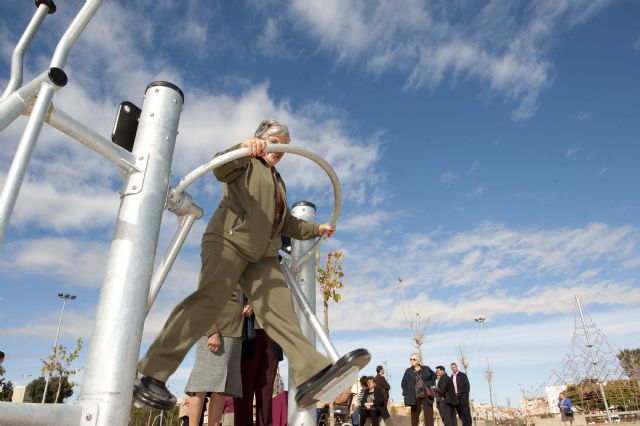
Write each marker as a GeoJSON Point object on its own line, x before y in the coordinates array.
{"type": "Point", "coordinates": [143, 151]}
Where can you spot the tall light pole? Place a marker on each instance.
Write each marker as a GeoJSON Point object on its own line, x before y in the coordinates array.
{"type": "Point", "coordinates": [65, 297]}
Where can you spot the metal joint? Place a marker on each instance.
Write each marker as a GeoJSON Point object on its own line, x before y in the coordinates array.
{"type": "Point", "coordinates": [182, 204]}
{"type": "Point", "coordinates": [135, 181]}
{"type": "Point", "coordinates": [89, 413]}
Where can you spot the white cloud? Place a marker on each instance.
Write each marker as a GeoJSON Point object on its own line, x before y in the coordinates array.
{"type": "Point", "coordinates": [582, 117]}
{"type": "Point", "coordinates": [476, 192]}
{"type": "Point", "coordinates": [604, 169]}
{"type": "Point", "coordinates": [449, 176]}
{"type": "Point", "coordinates": [503, 45]}
{"type": "Point", "coordinates": [490, 270]}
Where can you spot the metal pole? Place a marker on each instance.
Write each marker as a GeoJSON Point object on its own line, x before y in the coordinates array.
{"type": "Point", "coordinates": [73, 32]}
{"type": "Point", "coordinates": [160, 274]}
{"type": "Point", "coordinates": [18, 168]}
{"type": "Point", "coordinates": [307, 285]}
{"type": "Point", "coordinates": [593, 359]}
{"type": "Point", "coordinates": [91, 139]}
{"type": "Point", "coordinates": [115, 342]}
{"type": "Point", "coordinates": [18, 53]}
{"type": "Point", "coordinates": [55, 348]}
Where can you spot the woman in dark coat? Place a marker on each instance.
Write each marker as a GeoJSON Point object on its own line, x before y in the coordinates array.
{"type": "Point", "coordinates": [372, 404]}
{"type": "Point", "coordinates": [416, 389]}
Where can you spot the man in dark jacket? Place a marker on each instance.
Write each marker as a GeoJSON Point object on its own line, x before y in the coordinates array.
{"type": "Point", "coordinates": [462, 388]}
{"type": "Point", "coordinates": [446, 398]}
{"type": "Point", "coordinates": [382, 384]}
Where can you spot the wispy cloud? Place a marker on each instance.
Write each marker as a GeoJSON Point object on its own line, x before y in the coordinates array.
{"type": "Point", "coordinates": [582, 117]}
{"type": "Point", "coordinates": [476, 192]}
{"type": "Point", "coordinates": [503, 45]}
{"type": "Point", "coordinates": [604, 169]}
{"type": "Point", "coordinates": [449, 177]}
{"type": "Point", "coordinates": [491, 268]}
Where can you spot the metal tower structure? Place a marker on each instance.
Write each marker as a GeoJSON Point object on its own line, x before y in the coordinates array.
{"type": "Point", "coordinates": [592, 373]}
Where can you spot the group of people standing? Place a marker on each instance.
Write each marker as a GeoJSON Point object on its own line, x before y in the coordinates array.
{"type": "Point", "coordinates": [421, 387]}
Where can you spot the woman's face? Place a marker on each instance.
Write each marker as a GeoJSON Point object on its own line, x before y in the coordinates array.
{"type": "Point", "coordinates": [272, 158]}
{"type": "Point", "coordinates": [371, 384]}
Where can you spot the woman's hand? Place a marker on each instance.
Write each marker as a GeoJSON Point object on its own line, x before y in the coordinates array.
{"type": "Point", "coordinates": [325, 227]}
{"type": "Point", "coordinates": [247, 311]}
{"type": "Point", "coordinates": [214, 342]}
{"type": "Point", "coordinates": [256, 147]}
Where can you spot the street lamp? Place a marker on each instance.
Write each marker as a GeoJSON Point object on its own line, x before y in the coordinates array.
{"type": "Point", "coordinates": [65, 297]}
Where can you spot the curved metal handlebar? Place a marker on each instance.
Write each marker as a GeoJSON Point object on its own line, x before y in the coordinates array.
{"type": "Point", "coordinates": [218, 161]}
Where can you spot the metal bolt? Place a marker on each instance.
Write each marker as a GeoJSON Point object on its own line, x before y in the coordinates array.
{"type": "Point", "coordinates": [88, 417]}
{"type": "Point", "coordinates": [151, 115]}
{"type": "Point", "coordinates": [134, 187]}
{"type": "Point", "coordinates": [141, 158]}
{"type": "Point", "coordinates": [157, 90]}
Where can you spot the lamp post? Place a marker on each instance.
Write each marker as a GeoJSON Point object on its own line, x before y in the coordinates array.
{"type": "Point", "coordinates": [65, 297]}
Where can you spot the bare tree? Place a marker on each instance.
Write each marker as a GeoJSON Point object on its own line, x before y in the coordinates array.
{"type": "Point", "coordinates": [419, 326]}
{"type": "Point", "coordinates": [463, 356]}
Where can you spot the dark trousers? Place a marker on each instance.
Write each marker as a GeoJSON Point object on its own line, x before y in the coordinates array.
{"type": "Point", "coordinates": [463, 409]}
{"type": "Point", "coordinates": [259, 367]}
{"type": "Point", "coordinates": [425, 405]}
{"type": "Point", "coordinates": [447, 413]}
{"type": "Point", "coordinates": [373, 415]}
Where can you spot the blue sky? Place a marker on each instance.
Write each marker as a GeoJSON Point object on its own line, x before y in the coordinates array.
{"type": "Point", "coordinates": [488, 153]}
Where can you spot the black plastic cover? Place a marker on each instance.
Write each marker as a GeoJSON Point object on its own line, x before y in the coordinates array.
{"type": "Point", "coordinates": [126, 125]}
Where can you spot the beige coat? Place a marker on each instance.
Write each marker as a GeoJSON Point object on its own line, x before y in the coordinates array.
{"type": "Point", "coordinates": [245, 215]}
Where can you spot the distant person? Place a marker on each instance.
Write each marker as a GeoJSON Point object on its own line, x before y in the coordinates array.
{"type": "Point", "coordinates": [372, 405]}
{"type": "Point", "coordinates": [217, 366]}
{"type": "Point", "coordinates": [382, 384]}
{"type": "Point", "coordinates": [259, 366]}
{"type": "Point", "coordinates": [355, 417]}
{"type": "Point", "coordinates": [417, 384]}
{"type": "Point", "coordinates": [462, 388]}
{"type": "Point", "coordinates": [566, 409]}
{"type": "Point", "coordinates": [446, 398]}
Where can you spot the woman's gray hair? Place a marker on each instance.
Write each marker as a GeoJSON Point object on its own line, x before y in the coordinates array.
{"type": "Point", "coordinates": [417, 356]}
{"type": "Point", "coordinates": [272, 127]}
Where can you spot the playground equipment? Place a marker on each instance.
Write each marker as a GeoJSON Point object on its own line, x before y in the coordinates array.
{"type": "Point", "coordinates": [144, 154]}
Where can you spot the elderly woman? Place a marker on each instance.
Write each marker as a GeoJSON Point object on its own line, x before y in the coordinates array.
{"type": "Point", "coordinates": [240, 245]}
{"type": "Point", "coordinates": [417, 384]}
{"type": "Point", "coordinates": [217, 366]}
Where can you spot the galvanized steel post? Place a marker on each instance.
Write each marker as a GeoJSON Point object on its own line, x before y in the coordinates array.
{"type": "Point", "coordinates": [115, 342]}
{"type": "Point", "coordinates": [306, 279]}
